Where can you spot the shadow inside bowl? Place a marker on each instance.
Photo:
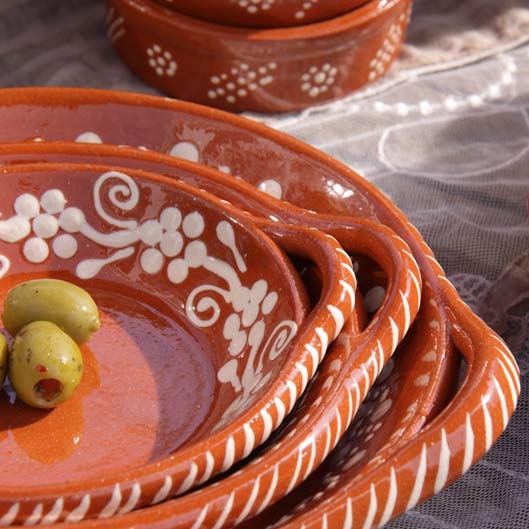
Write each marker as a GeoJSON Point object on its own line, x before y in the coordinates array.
{"type": "Point", "coordinates": [148, 384]}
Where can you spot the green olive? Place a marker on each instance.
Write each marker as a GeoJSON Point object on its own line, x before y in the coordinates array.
{"type": "Point", "coordinates": [3, 358]}
{"type": "Point", "coordinates": [45, 365]}
{"type": "Point", "coordinates": [61, 302]}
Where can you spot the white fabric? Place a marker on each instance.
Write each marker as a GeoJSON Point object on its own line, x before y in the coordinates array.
{"type": "Point", "coordinates": [445, 135]}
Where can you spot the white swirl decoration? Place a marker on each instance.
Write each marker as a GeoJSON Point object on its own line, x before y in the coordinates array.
{"type": "Point", "coordinates": [280, 338]}
{"type": "Point", "coordinates": [127, 189]}
{"type": "Point", "coordinates": [206, 304]}
{"type": "Point", "coordinates": [176, 242]}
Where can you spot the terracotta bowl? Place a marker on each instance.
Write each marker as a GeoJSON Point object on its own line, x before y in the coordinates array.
{"type": "Point", "coordinates": [267, 70]}
{"type": "Point", "coordinates": [420, 468]}
{"type": "Point", "coordinates": [287, 168]}
{"type": "Point", "coordinates": [262, 13]}
{"type": "Point", "coordinates": [168, 265]}
{"type": "Point", "coordinates": [348, 370]}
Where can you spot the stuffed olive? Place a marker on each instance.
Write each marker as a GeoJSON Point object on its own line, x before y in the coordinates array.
{"type": "Point", "coordinates": [61, 302]}
{"type": "Point", "coordinates": [45, 365]}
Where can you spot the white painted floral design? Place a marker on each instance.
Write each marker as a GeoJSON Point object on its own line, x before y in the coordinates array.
{"type": "Point", "coordinates": [161, 61]}
{"type": "Point", "coordinates": [318, 79]}
{"type": "Point", "coordinates": [253, 6]}
{"type": "Point", "coordinates": [173, 241]}
{"type": "Point", "coordinates": [240, 81]}
{"type": "Point", "coordinates": [305, 6]}
{"type": "Point", "coordinates": [388, 50]}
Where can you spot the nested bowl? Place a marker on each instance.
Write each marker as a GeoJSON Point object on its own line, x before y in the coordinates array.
{"type": "Point", "coordinates": [350, 367]}
{"type": "Point", "coordinates": [262, 13]}
{"type": "Point", "coordinates": [287, 168]}
{"type": "Point", "coordinates": [264, 70]}
{"type": "Point", "coordinates": [206, 342]}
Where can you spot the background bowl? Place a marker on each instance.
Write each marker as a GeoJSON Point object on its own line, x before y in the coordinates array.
{"type": "Point", "coordinates": [262, 13]}
{"type": "Point", "coordinates": [265, 70]}
{"type": "Point", "coordinates": [168, 265]}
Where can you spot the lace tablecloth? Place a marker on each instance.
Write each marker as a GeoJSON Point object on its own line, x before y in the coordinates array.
{"type": "Point", "coordinates": [445, 135]}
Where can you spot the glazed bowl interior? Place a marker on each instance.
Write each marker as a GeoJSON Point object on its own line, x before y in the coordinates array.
{"type": "Point", "coordinates": [180, 284]}
{"type": "Point", "coordinates": [288, 169]}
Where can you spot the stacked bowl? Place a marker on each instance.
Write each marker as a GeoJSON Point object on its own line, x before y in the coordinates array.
{"type": "Point", "coordinates": [279, 347]}
{"type": "Point", "coordinates": [258, 55]}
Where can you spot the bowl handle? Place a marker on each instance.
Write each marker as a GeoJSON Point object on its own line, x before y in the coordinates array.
{"type": "Point", "coordinates": [447, 446]}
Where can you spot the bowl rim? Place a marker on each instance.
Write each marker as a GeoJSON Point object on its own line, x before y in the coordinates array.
{"type": "Point", "coordinates": [367, 13]}
{"type": "Point", "coordinates": [152, 470]}
{"type": "Point", "coordinates": [506, 367]}
{"type": "Point", "coordinates": [337, 392]}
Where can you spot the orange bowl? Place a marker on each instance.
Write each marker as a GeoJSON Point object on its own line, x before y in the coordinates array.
{"type": "Point", "coordinates": [408, 468]}
{"type": "Point", "coordinates": [205, 343]}
{"type": "Point", "coordinates": [264, 70]}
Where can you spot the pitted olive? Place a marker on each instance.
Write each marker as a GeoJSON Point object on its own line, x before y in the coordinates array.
{"type": "Point", "coordinates": [45, 365]}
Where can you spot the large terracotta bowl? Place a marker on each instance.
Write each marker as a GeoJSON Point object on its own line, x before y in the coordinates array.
{"type": "Point", "coordinates": [202, 351]}
{"type": "Point", "coordinates": [351, 365]}
{"type": "Point", "coordinates": [289, 169]}
{"type": "Point", "coordinates": [266, 70]}
{"type": "Point", "coordinates": [262, 13]}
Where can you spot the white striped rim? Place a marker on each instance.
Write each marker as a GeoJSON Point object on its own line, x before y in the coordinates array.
{"type": "Point", "coordinates": [417, 286]}
{"type": "Point", "coordinates": [338, 435]}
{"type": "Point", "coordinates": [372, 509]}
{"type": "Point", "coordinates": [271, 489]}
{"type": "Point", "coordinates": [312, 459]}
{"type": "Point", "coordinates": [9, 517]}
{"type": "Point", "coordinates": [420, 475]}
{"type": "Point", "coordinates": [304, 375]}
{"type": "Point", "coordinates": [406, 309]}
{"type": "Point", "coordinates": [324, 337]}
{"type": "Point", "coordinates": [394, 333]}
{"type": "Point", "coordinates": [295, 476]}
{"type": "Point", "coordinates": [268, 425]}
{"type": "Point", "coordinates": [225, 512]}
{"type": "Point", "coordinates": [34, 517]}
{"type": "Point", "coordinates": [339, 321]}
{"type": "Point", "coordinates": [79, 512]}
{"type": "Point", "coordinates": [55, 512]}
{"type": "Point", "coordinates": [349, 519]}
{"type": "Point", "coordinates": [229, 456]}
{"type": "Point", "coordinates": [293, 393]}
{"type": "Point", "coordinates": [468, 455]}
{"type": "Point", "coordinates": [444, 463]}
{"type": "Point", "coordinates": [190, 478]}
{"type": "Point", "coordinates": [281, 410]}
{"type": "Point", "coordinates": [392, 498]}
{"type": "Point", "coordinates": [131, 503]}
{"type": "Point", "coordinates": [487, 422]}
{"type": "Point", "coordinates": [113, 504]}
{"type": "Point", "coordinates": [503, 403]}
{"type": "Point", "coordinates": [349, 289]}
{"type": "Point", "coordinates": [250, 501]}
{"type": "Point", "coordinates": [314, 355]}
{"type": "Point", "coordinates": [163, 491]}
{"type": "Point", "coordinates": [210, 463]}
{"type": "Point", "coordinates": [201, 517]}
